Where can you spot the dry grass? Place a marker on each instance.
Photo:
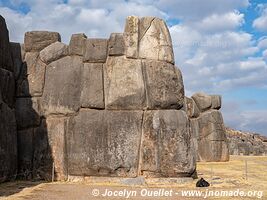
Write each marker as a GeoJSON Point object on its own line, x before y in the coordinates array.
{"type": "Point", "coordinates": [222, 176]}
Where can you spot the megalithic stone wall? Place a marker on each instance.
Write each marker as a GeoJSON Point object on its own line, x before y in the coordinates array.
{"type": "Point", "coordinates": [8, 130]}
{"type": "Point", "coordinates": [207, 127]}
{"type": "Point", "coordinates": [103, 107]}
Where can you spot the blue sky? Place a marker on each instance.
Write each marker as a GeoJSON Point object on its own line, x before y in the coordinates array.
{"type": "Point", "coordinates": [220, 46]}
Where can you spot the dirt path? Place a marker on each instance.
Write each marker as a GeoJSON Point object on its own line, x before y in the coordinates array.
{"type": "Point", "coordinates": [228, 176]}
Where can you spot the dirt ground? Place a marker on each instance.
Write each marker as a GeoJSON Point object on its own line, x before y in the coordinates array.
{"type": "Point", "coordinates": [229, 176]}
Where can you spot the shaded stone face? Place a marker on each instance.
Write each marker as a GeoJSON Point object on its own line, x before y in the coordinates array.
{"type": "Point", "coordinates": [124, 84]}
{"type": "Point", "coordinates": [77, 44]}
{"type": "Point", "coordinates": [167, 149]}
{"type": "Point", "coordinates": [104, 143]}
{"type": "Point", "coordinates": [191, 108]}
{"type": "Point", "coordinates": [116, 44]}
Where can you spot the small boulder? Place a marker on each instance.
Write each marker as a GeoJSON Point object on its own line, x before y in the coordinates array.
{"type": "Point", "coordinates": [202, 183]}
{"type": "Point", "coordinates": [202, 100]}
{"type": "Point", "coordinates": [54, 52]}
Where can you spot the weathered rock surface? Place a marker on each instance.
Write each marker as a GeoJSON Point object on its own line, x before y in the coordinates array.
{"type": "Point", "coordinates": [95, 50]}
{"type": "Point", "coordinates": [131, 36]}
{"type": "Point", "coordinates": [164, 85]}
{"type": "Point", "coordinates": [116, 45]}
{"type": "Point", "coordinates": [202, 100]}
{"type": "Point", "coordinates": [167, 148]}
{"type": "Point", "coordinates": [38, 40]}
{"type": "Point", "coordinates": [191, 108]}
{"type": "Point", "coordinates": [92, 89]}
{"type": "Point", "coordinates": [77, 44]}
{"type": "Point", "coordinates": [104, 143]}
{"type": "Point", "coordinates": [17, 57]}
{"type": "Point", "coordinates": [62, 92]}
{"type": "Point", "coordinates": [54, 52]}
{"type": "Point", "coordinates": [155, 40]}
{"type": "Point", "coordinates": [124, 84]}
{"type": "Point", "coordinates": [216, 101]}
{"type": "Point", "coordinates": [212, 144]}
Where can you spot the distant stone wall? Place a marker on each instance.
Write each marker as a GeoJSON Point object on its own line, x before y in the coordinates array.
{"type": "Point", "coordinates": [8, 131]}
{"type": "Point", "coordinates": [207, 126]}
{"type": "Point", "coordinates": [245, 143]}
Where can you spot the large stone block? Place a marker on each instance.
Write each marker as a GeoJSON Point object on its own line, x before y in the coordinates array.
{"type": "Point", "coordinates": [56, 130]}
{"type": "Point", "coordinates": [191, 108]}
{"type": "Point", "coordinates": [202, 100]}
{"type": "Point", "coordinates": [104, 143]}
{"type": "Point", "coordinates": [77, 44]}
{"type": "Point", "coordinates": [164, 85]}
{"type": "Point", "coordinates": [5, 51]}
{"type": "Point", "coordinates": [8, 143]}
{"type": "Point", "coordinates": [31, 80]}
{"type": "Point", "coordinates": [216, 101]}
{"type": "Point", "coordinates": [27, 112]}
{"type": "Point", "coordinates": [167, 148]}
{"type": "Point", "coordinates": [124, 84]}
{"type": "Point", "coordinates": [62, 86]}
{"type": "Point", "coordinates": [212, 145]}
{"type": "Point", "coordinates": [131, 37]}
{"type": "Point", "coordinates": [54, 52]}
{"type": "Point", "coordinates": [38, 40]}
{"type": "Point", "coordinates": [92, 89]}
{"type": "Point", "coordinates": [116, 46]}
{"type": "Point", "coordinates": [7, 87]}
{"type": "Point", "coordinates": [155, 40]}
{"type": "Point", "coordinates": [95, 50]}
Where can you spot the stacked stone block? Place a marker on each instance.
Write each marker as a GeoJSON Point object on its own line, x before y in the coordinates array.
{"type": "Point", "coordinates": [8, 130]}
{"type": "Point", "coordinates": [207, 127]}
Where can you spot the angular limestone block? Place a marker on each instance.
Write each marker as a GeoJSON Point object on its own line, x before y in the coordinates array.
{"type": "Point", "coordinates": [155, 40]}
{"type": "Point", "coordinates": [54, 52]}
{"type": "Point", "coordinates": [167, 148]}
{"type": "Point", "coordinates": [202, 100]}
{"type": "Point", "coordinates": [212, 137]}
{"type": "Point", "coordinates": [216, 101]}
{"type": "Point", "coordinates": [131, 36]}
{"type": "Point", "coordinates": [8, 143]}
{"type": "Point", "coordinates": [116, 46]}
{"type": "Point", "coordinates": [38, 40]}
{"type": "Point", "coordinates": [62, 86]}
{"type": "Point", "coordinates": [95, 50]}
{"type": "Point", "coordinates": [191, 108]}
{"type": "Point", "coordinates": [77, 43]}
{"type": "Point", "coordinates": [164, 85]}
{"type": "Point", "coordinates": [7, 87]}
{"type": "Point", "coordinates": [104, 143]}
{"type": "Point", "coordinates": [124, 84]}
{"type": "Point", "coordinates": [92, 89]}
{"type": "Point", "coordinates": [27, 112]}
